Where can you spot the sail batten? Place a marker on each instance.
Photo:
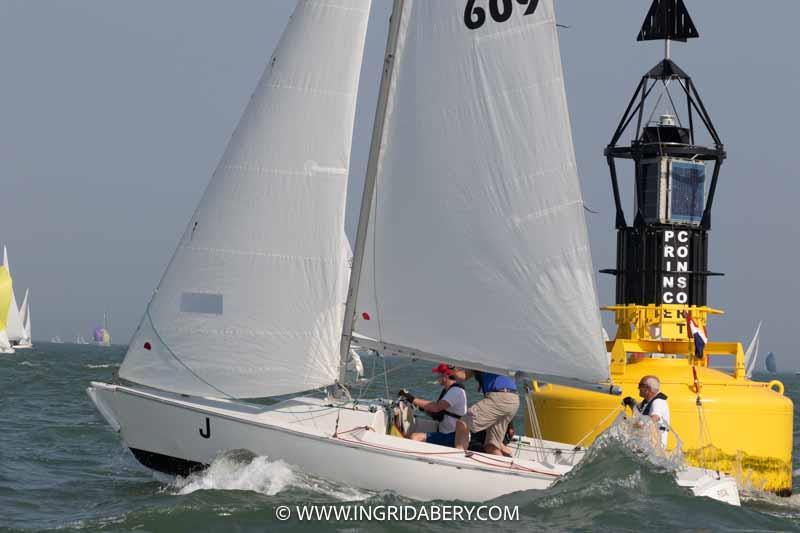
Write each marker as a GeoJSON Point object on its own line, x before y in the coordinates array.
{"type": "Point", "coordinates": [477, 249]}
{"type": "Point", "coordinates": [251, 304]}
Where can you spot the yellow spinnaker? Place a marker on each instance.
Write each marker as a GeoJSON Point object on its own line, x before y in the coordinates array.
{"type": "Point", "coordinates": [5, 295]}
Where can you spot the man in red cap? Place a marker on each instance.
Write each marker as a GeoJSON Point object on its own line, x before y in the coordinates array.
{"type": "Point", "coordinates": [447, 409]}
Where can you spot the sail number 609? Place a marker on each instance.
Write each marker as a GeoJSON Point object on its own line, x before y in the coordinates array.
{"type": "Point", "coordinates": [499, 10]}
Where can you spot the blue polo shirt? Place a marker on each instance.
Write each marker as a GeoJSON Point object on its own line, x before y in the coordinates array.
{"type": "Point", "coordinates": [495, 382]}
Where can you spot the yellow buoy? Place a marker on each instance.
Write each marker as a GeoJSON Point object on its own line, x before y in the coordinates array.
{"type": "Point", "coordinates": [747, 429]}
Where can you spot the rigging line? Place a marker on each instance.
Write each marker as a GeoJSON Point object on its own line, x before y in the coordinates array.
{"type": "Point", "coordinates": [614, 411]}
{"type": "Point", "coordinates": [536, 429]}
{"type": "Point", "coordinates": [184, 365]}
{"type": "Point", "coordinates": [296, 413]}
{"type": "Point", "coordinates": [704, 435]}
{"type": "Point", "coordinates": [384, 374]}
{"type": "Point", "coordinates": [655, 106]}
{"type": "Point", "coordinates": [674, 108]}
{"type": "Point", "coordinates": [386, 378]}
{"type": "Point", "coordinates": [368, 381]}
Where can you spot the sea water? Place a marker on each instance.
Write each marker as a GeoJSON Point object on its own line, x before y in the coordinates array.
{"type": "Point", "coordinates": [62, 468]}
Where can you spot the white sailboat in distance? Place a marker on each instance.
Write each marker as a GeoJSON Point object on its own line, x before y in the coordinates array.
{"type": "Point", "coordinates": [6, 290]}
{"type": "Point", "coordinates": [25, 315]}
{"type": "Point", "coordinates": [14, 326]}
{"type": "Point", "coordinates": [472, 248]}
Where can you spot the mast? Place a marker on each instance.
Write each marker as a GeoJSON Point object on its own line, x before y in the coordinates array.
{"type": "Point", "coordinates": [369, 184]}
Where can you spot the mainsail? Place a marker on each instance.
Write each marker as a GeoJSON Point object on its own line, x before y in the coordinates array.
{"type": "Point", "coordinates": [476, 245]}
{"type": "Point", "coordinates": [251, 304]}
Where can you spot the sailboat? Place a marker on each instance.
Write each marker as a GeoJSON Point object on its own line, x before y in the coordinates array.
{"type": "Point", "coordinates": [25, 315]}
{"type": "Point", "coordinates": [101, 335]}
{"type": "Point", "coordinates": [471, 249]}
{"type": "Point", "coordinates": [770, 364]}
{"type": "Point", "coordinates": [751, 355]}
{"type": "Point", "coordinates": [6, 290]}
{"type": "Point", "coordinates": [14, 327]}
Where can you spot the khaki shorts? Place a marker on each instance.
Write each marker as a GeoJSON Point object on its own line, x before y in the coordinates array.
{"type": "Point", "coordinates": [493, 413]}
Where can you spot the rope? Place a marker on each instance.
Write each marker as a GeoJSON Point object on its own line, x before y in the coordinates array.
{"type": "Point", "coordinates": [614, 411]}
{"type": "Point", "coordinates": [386, 378]}
{"type": "Point", "coordinates": [703, 435]}
{"type": "Point", "coordinates": [384, 374]}
{"type": "Point", "coordinates": [536, 429]}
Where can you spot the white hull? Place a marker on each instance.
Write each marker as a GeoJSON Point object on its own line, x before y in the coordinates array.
{"type": "Point", "coordinates": [24, 345]}
{"type": "Point", "coordinates": [167, 432]}
{"type": "Point", "coordinates": [300, 431]}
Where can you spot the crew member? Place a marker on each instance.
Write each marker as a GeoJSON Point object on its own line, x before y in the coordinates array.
{"type": "Point", "coordinates": [447, 409]}
{"type": "Point", "coordinates": [653, 404]}
{"type": "Point", "coordinates": [493, 413]}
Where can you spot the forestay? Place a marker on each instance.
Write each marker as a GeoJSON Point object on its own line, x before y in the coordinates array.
{"type": "Point", "coordinates": [477, 248]}
{"type": "Point", "coordinates": [251, 304]}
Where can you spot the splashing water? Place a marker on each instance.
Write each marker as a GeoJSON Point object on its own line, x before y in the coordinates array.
{"type": "Point", "coordinates": [241, 470]}
{"type": "Point", "coordinates": [640, 435]}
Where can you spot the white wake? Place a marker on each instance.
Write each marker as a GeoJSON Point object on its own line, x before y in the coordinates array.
{"type": "Point", "coordinates": [243, 471]}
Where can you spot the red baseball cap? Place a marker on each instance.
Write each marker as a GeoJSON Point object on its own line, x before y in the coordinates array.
{"type": "Point", "coordinates": [443, 369]}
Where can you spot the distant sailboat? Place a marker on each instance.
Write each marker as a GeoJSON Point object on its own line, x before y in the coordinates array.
{"type": "Point", "coordinates": [5, 300]}
{"type": "Point", "coordinates": [14, 326]}
{"type": "Point", "coordinates": [25, 314]}
{"type": "Point", "coordinates": [56, 340]}
{"type": "Point", "coordinates": [751, 355]}
{"type": "Point", "coordinates": [79, 339]}
{"type": "Point", "coordinates": [101, 335]}
{"type": "Point", "coordinates": [771, 364]}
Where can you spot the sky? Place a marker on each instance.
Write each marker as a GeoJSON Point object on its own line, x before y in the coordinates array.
{"type": "Point", "coordinates": [113, 116]}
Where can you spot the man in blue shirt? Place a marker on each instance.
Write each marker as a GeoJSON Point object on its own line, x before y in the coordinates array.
{"type": "Point", "coordinates": [493, 413]}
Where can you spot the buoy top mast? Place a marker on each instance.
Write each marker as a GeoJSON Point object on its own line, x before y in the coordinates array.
{"type": "Point", "coordinates": [662, 257]}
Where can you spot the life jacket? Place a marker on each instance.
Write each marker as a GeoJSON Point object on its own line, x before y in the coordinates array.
{"type": "Point", "coordinates": [646, 407]}
{"type": "Point", "coordinates": [440, 415]}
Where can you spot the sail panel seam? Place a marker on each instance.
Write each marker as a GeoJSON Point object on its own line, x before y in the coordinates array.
{"type": "Point", "coordinates": [515, 29]}
{"type": "Point", "coordinates": [343, 8]}
{"type": "Point", "coordinates": [308, 90]}
{"type": "Point", "coordinates": [314, 171]}
{"type": "Point", "coordinates": [520, 220]}
{"type": "Point", "coordinates": [285, 257]}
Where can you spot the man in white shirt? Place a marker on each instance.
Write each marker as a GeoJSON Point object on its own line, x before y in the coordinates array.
{"type": "Point", "coordinates": [653, 404]}
{"type": "Point", "coordinates": [451, 405]}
